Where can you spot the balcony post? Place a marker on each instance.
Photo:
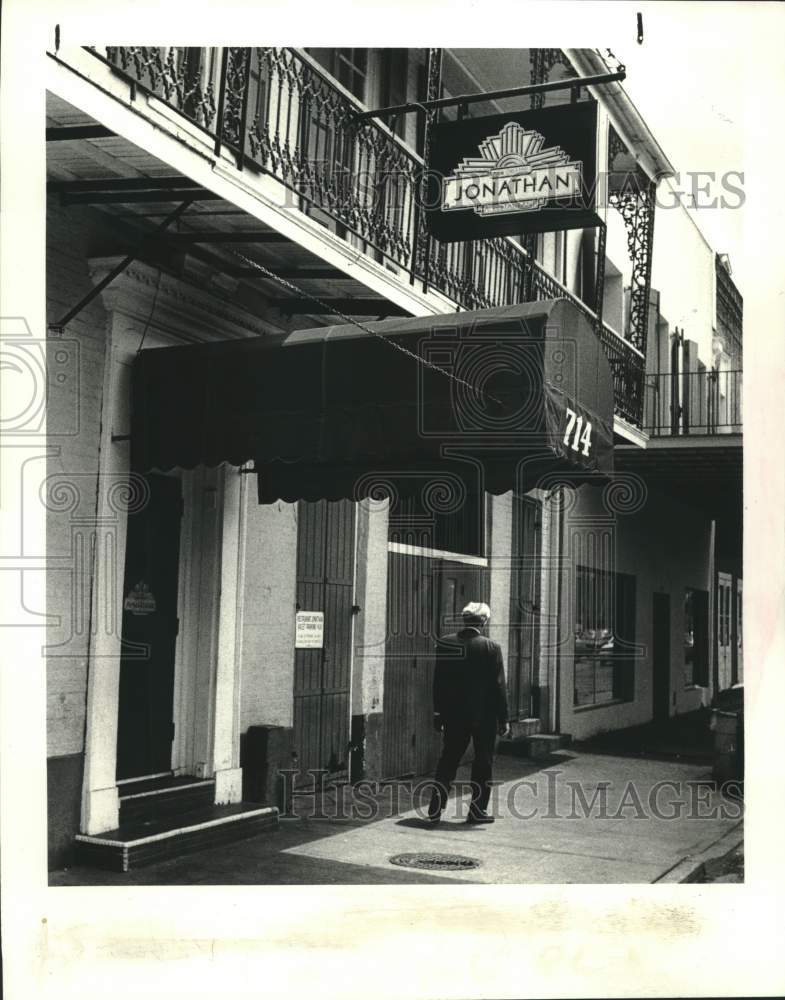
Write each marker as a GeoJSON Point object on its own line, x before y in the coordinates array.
{"type": "Point", "coordinates": [422, 238]}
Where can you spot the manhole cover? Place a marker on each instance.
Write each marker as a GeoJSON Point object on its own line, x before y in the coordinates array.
{"type": "Point", "coordinates": [437, 862]}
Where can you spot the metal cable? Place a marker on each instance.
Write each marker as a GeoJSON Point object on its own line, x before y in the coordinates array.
{"type": "Point", "coordinates": [354, 322]}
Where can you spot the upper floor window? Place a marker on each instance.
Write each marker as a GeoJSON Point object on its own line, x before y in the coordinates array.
{"type": "Point", "coordinates": [348, 66]}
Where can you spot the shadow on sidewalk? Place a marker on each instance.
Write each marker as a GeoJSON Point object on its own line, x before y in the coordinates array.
{"type": "Point", "coordinates": [685, 738]}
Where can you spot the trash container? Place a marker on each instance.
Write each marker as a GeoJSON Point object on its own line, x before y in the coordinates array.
{"type": "Point", "coordinates": [727, 723]}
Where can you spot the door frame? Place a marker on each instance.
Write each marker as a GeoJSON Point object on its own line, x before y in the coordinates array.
{"type": "Point", "coordinates": [725, 672]}
{"type": "Point", "coordinates": [183, 315]}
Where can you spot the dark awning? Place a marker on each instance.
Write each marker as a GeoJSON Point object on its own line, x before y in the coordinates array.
{"type": "Point", "coordinates": [498, 396]}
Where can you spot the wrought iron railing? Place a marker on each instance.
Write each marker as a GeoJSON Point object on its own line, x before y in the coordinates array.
{"type": "Point", "coordinates": [696, 402]}
{"type": "Point", "coordinates": [277, 110]}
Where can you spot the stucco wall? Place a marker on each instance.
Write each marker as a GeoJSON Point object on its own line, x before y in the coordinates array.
{"type": "Point", "coordinates": [370, 630]}
{"type": "Point", "coordinates": [666, 547]}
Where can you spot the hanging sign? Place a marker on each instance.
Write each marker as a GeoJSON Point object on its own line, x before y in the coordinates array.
{"type": "Point", "coordinates": [309, 630]}
{"type": "Point", "coordinates": [140, 601]}
{"type": "Point", "coordinates": [511, 174]}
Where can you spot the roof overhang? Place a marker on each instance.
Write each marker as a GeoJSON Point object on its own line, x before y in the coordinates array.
{"type": "Point", "coordinates": [626, 118]}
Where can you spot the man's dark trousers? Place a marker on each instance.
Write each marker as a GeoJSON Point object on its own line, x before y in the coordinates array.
{"type": "Point", "coordinates": [456, 739]}
{"type": "Point", "coordinates": [469, 703]}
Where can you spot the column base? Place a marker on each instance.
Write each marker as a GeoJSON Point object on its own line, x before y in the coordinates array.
{"type": "Point", "coordinates": [228, 786]}
{"type": "Point", "coordinates": [101, 810]}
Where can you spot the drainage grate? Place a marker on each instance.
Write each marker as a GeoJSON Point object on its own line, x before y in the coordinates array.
{"type": "Point", "coordinates": [435, 862]}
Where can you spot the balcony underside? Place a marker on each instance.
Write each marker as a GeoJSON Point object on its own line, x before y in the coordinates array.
{"type": "Point", "coordinates": [705, 472]}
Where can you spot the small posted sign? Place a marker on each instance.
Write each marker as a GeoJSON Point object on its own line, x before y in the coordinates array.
{"type": "Point", "coordinates": [309, 630]}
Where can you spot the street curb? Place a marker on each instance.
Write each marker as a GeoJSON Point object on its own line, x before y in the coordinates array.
{"type": "Point", "coordinates": [691, 868]}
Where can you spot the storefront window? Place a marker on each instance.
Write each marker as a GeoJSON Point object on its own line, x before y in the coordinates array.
{"type": "Point", "coordinates": [696, 637]}
{"type": "Point", "coordinates": [604, 636]}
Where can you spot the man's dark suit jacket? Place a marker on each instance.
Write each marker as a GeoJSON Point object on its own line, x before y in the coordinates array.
{"type": "Point", "coordinates": [468, 680]}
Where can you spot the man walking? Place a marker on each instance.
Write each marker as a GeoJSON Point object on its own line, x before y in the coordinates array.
{"type": "Point", "coordinates": [469, 702]}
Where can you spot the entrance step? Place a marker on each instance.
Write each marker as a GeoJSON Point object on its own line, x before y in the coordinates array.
{"type": "Point", "coordinates": [135, 845]}
{"type": "Point", "coordinates": [536, 746]}
{"type": "Point", "coordinates": [525, 727]}
{"type": "Point", "coordinates": [153, 799]}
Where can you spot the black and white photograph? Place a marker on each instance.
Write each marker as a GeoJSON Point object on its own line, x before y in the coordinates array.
{"type": "Point", "coordinates": [382, 466]}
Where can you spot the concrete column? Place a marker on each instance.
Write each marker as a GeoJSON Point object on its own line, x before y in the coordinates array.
{"type": "Point", "coordinates": [226, 733]}
{"type": "Point", "coordinates": [500, 562]}
{"type": "Point", "coordinates": [100, 804]}
{"type": "Point", "coordinates": [268, 597]}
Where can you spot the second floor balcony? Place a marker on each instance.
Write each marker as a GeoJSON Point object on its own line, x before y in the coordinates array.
{"type": "Point", "coordinates": [280, 118]}
{"type": "Point", "coordinates": [693, 403]}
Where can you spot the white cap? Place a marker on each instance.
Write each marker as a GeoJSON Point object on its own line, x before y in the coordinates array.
{"type": "Point", "coordinates": [477, 611]}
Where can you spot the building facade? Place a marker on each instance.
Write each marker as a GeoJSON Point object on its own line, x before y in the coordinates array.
{"type": "Point", "coordinates": [202, 196]}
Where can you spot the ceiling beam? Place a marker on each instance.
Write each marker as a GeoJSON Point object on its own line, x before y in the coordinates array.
{"type": "Point", "coordinates": [123, 184]}
{"type": "Point", "coordinates": [241, 237]}
{"type": "Point", "coordinates": [136, 197]}
{"type": "Point", "coordinates": [63, 133]}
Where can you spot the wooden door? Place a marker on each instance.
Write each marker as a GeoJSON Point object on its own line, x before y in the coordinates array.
{"type": "Point", "coordinates": [724, 631]}
{"type": "Point", "coordinates": [738, 676]}
{"type": "Point", "coordinates": [322, 676]}
{"type": "Point", "coordinates": [145, 728]}
{"type": "Point", "coordinates": [661, 657]}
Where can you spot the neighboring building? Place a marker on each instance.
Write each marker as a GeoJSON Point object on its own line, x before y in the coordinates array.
{"type": "Point", "coordinates": [225, 174]}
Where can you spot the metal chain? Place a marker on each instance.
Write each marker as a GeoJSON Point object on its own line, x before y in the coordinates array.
{"type": "Point", "coordinates": [353, 322]}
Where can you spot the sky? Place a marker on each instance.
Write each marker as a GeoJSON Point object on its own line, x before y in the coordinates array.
{"type": "Point", "coordinates": [691, 84]}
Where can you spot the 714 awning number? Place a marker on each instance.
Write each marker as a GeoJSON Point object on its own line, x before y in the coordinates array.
{"type": "Point", "coordinates": [581, 435]}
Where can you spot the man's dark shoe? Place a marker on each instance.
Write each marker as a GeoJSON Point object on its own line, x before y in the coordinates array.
{"type": "Point", "coordinates": [479, 816]}
{"type": "Point", "coordinates": [433, 820]}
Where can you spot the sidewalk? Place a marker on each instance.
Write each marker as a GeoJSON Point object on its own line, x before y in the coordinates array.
{"type": "Point", "coordinates": [592, 818]}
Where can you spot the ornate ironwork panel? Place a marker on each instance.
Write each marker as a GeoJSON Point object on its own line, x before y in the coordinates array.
{"type": "Point", "coordinates": [541, 62]}
{"type": "Point", "coordinates": [179, 76]}
{"type": "Point", "coordinates": [423, 250]}
{"type": "Point", "coordinates": [637, 209]}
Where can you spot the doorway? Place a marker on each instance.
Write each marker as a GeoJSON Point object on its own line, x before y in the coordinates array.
{"type": "Point", "coordinates": [425, 596]}
{"type": "Point", "coordinates": [522, 671]}
{"type": "Point", "coordinates": [149, 632]}
{"type": "Point", "coordinates": [661, 656]}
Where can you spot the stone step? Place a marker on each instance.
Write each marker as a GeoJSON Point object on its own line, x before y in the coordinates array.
{"type": "Point", "coordinates": [544, 744]}
{"type": "Point", "coordinates": [525, 727]}
{"type": "Point", "coordinates": [136, 845]}
{"type": "Point", "coordinates": [152, 800]}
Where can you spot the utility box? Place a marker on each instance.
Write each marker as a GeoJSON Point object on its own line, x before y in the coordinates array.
{"type": "Point", "coordinates": [264, 752]}
{"type": "Point", "coordinates": [727, 724]}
